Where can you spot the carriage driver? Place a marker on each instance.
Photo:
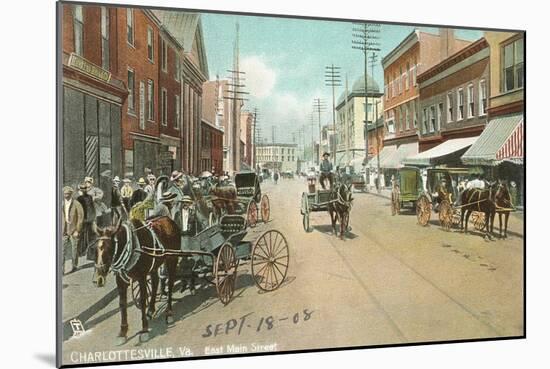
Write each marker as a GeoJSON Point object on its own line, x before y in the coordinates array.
{"type": "Point", "coordinates": [442, 192]}
{"type": "Point", "coordinates": [326, 171]}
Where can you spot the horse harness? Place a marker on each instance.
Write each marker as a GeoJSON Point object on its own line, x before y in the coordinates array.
{"type": "Point", "coordinates": [123, 264]}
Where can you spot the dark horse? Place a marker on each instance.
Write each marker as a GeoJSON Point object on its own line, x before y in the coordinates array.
{"type": "Point", "coordinates": [339, 207]}
{"type": "Point", "coordinates": [504, 206]}
{"type": "Point", "coordinates": [133, 250]}
{"type": "Point", "coordinates": [481, 200]}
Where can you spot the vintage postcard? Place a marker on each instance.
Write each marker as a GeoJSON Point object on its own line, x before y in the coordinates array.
{"type": "Point", "coordinates": [237, 184]}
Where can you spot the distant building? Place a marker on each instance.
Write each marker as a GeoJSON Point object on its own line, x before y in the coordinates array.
{"type": "Point", "coordinates": [350, 118]}
{"type": "Point", "coordinates": [247, 121]}
{"type": "Point", "coordinates": [277, 156]}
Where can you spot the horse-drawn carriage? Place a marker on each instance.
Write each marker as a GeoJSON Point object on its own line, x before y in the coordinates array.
{"type": "Point", "coordinates": [449, 214]}
{"type": "Point", "coordinates": [336, 201]}
{"type": "Point", "coordinates": [142, 252]}
{"type": "Point", "coordinates": [243, 198]}
{"type": "Point", "coordinates": [406, 189]}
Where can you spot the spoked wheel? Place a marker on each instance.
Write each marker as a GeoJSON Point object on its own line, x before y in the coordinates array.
{"type": "Point", "coordinates": [423, 210]}
{"type": "Point", "coordinates": [136, 293]}
{"type": "Point", "coordinates": [264, 208]}
{"type": "Point", "coordinates": [252, 214]}
{"type": "Point", "coordinates": [270, 257]}
{"type": "Point", "coordinates": [445, 214]}
{"type": "Point", "coordinates": [305, 212]}
{"type": "Point", "coordinates": [225, 273]}
{"type": "Point", "coordinates": [479, 220]}
{"type": "Point", "coordinates": [395, 203]}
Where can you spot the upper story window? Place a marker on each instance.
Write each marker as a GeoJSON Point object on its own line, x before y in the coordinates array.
{"type": "Point", "coordinates": [164, 55]}
{"type": "Point", "coordinates": [512, 66]}
{"type": "Point", "coordinates": [460, 104]}
{"type": "Point", "coordinates": [131, 90]}
{"type": "Point", "coordinates": [439, 116]}
{"type": "Point", "coordinates": [482, 97]}
{"type": "Point", "coordinates": [407, 118]}
{"type": "Point", "coordinates": [105, 38]}
{"type": "Point", "coordinates": [425, 128]}
{"type": "Point", "coordinates": [78, 25]}
{"type": "Point", "coordinates": [150, 44]}
{"type": "Point", "coordinates": [407, 76]}
{"type": "Point", "coordinates": [387, 89]}
{"type": "Point", "coordinates": [164, 107]}
{"type": "Point", "coordinates": [177, 70]}
{"type": "Point", "coordinates": [177, 121]}
{"type": "Point", "coordinates": [470, 100]}
{"type": "Point", "coordinates": [130, 26]}
{"type": "Point", "coordinates": [432, 119]}
{"type": "Point", "coordinates": [450, 107]}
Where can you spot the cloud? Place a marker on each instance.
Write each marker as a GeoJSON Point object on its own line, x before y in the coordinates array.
{"type": "Point", "coordinates": [260, 78]}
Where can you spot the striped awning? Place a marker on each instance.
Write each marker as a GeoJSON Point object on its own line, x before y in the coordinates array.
{"type": "Point", "coordinates": [502, 140]}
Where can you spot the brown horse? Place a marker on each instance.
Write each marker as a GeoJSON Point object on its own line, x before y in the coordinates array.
{"type": "Point", "coordinates": [339, 207]}
{"type": "Point", "coordinates": [134, 250]}
{"type": "Point", "coordinates": [504, 206]}
{"type": "Point", "coordinates": [481, 200]}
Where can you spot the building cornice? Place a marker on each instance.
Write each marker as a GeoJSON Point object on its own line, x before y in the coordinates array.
{"type": "Point", "coordinates": [460, 59]}
{"type": "Point", "coordinates": [400, 49]}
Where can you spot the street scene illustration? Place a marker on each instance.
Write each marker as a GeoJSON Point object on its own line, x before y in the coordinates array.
{"type": "Point", "coordinates": [240, 184]}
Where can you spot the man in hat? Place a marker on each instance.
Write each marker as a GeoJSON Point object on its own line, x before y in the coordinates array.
{"type": "Point", "coordinates": [163, 208]}
{"type": "Point", "coordinates": [442, 192]}
{"type": "Point", "coordinates": [326, 171]}
{"type": "Point", "coordinates": [116, 201]}
{"type": "Point", "coordinates": [73, 217]}
{"type": "Point", "coordinates": [139, 194]}
{"type": "Point", "coordinates": [96, 193]}
{"type": "Point", "coordinates": [126, 193]}
{"type": "Point", "coordinates": [150, 188]}
{"type": "Point", "coordinates": [87, 202]}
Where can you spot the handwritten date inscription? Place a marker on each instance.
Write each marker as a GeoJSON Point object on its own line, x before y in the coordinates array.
{"type": "Point", "coordinates": [236, 326]}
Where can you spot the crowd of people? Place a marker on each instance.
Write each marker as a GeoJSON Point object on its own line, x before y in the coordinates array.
{"type": "Point", "coordinates": [85, 206]}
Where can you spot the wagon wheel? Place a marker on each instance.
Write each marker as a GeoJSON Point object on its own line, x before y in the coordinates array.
{"type": "Point", "coordinates": [395, 203]}
{"type": "Point", "coordinates": [270, 257]}
{"type": "Point", "coordinates": [264, 208]}
{"type": "Point", "coordinates": [225, 272]}
{"type": "Point", "coordinates": [445, 214]}
{"type": "Point", "coordinates": [252, 214]}
{"type": "Point", "coordinates": [305, 212]}
{"type": "Point", "coordinates": [479, 220]}
{"type": "Point", "coordinates": [136, 294]}
{"type": "Point", "coordinates": [423, 210]}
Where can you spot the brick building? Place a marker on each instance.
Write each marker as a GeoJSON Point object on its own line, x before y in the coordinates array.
{"type": "Point", "coordinates": [500, 149]}
{"type": "Point", "coordinates": [214, 92]}
{"type": "Point", "coordinates": [418, 52]}
{"type": "Point", "coordinates": [453, 105]}
{"type": "Point", "coordinates": [183, 39]}
{"type": "Point", "coordinates": [93, 96]}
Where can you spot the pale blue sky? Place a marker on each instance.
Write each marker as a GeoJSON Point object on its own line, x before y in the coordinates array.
{"type": "Point", "coordinates": [285, 60]}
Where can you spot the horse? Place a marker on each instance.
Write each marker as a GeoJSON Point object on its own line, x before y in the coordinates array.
{"type": "Point", "coordinates": [134, 250]}
{"type": "Point", "coordinates": [504, 206]}
{"type": "Point", "coordinates": [339, 207]}
{"type": "Point", "coordinates": [481, 200]}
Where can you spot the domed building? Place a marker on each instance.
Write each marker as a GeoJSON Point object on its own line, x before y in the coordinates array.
{"type": "Point", "coordinates": [350, 122]}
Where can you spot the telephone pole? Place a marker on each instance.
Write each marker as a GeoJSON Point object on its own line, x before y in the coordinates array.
{"type": "Point", "coordinates": [373, 59]}
{"type": "Point", "coordinates": [365, 39]}
{"type": "Point", "coordinates": [235, 92]}
{"type": "Point", "coordinates": [319, 106]}
{"type": "Point", "coordinates": [333, 79]}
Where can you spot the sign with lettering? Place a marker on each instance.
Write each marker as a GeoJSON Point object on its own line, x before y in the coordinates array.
{"type": "Point", "coordinates": [83, 65]}
{"type": "Point", "coordinates": [141, 105]}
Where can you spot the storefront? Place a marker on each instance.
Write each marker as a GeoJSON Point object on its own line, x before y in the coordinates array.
{"type": "Point", "coordinates": [447, 153]}
{"type": "Point", "coordinates": [91, 131]}
{"type": "Point", "coordinates": [500, 150]}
